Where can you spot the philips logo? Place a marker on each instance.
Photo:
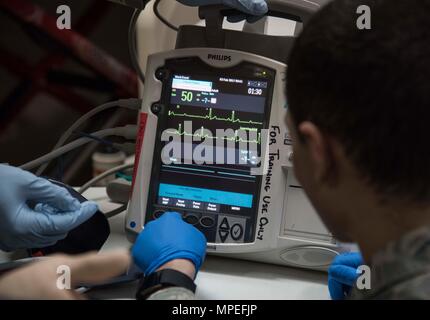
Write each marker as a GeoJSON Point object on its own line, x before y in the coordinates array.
{"type": "Point", "coordinates": [219, 57]}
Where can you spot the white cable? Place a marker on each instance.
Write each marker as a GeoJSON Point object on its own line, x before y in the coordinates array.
{"type": "Point", "coordinates": [103, 175]}
{"type": "Point", "coordinates": [128, 132]}
{"type": "Point", "coordinates": [133, 104]}
{"type": "Point", "coordinates": [132, 45]}
{"type": "Point", "coordinates": [161, 18]}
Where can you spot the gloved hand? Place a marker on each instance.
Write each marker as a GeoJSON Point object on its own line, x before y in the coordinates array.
{"type": "Point", "coordinates": [55, 214]}
{"type": "Point", "coordinates": [252, 9]}
{"type": "Point", "coordinates": [166, 239]}
{"type": "Point", "coordinates": [342, 274]}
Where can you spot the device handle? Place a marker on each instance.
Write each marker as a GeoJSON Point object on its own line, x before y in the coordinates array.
{"type": "Point", "coordinates": [297, 10]}
{"type": "Point", "coordinates": [136, 4]}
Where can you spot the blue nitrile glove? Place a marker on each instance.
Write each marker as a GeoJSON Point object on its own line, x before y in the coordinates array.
{"type": "Point", "coordinates": [55, 214]}
{"type": "Point", "coordinates": [252, 9]}
{"type": "Point", "coordinates": [342, 274]}
{"type": "Point", "coordinates": [166, 239]}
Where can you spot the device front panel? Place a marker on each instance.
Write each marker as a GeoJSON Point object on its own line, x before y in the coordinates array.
{"type": "Point", "coordinates": [211, 121]}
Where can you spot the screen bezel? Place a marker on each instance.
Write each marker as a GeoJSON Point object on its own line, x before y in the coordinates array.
{"type": "Point", "coordinates": [195, 66]}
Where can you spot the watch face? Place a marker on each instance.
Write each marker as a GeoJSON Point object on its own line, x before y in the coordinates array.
{"type": "Point", "coordinates": [143, 292]}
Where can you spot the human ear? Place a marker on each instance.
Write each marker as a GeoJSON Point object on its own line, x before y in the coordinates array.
{"type": "Point", "coordinates": [319, 149]}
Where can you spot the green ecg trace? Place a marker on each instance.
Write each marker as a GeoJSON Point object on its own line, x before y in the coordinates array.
{"type": "Point", "coordinates": [210, 116]}
{"type": "Point", "coordinates": [201, 134]}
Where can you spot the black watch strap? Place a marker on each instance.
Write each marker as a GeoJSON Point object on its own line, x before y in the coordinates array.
{"type": "Point", "coordinates": [163, 279]}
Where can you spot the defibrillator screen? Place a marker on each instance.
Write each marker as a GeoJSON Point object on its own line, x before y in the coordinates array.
{"type": "Point", "coordinates": [211, 136]}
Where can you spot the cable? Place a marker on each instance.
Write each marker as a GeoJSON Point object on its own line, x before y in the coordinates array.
{"type": "Point", "coordinates": [86, 152]}
{"type": "Point", "coordinates": [127, 147]}
{"type": "Point", "coordinates": [161, 18]}
{"type": "Point", "coordinates": [128, 132]}
{"type": "Point", "coordinates": [139, 6]}
{"type": "Point", "coordinates": [97, 139]}
{"type": "Point", "coordinates": [104, 175]}
{"type": "Point", "coordinates": [132, 104]}
{"type": "Point", "coordinates": [116, 211]}
{"type": "Point", "coordinates": [132, 45]}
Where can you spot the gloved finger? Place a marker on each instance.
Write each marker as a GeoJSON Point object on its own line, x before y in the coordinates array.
{"type": "Point", "coordinates": [45, 208]}
{"type": "Point", "coordinates": [198, 238]}
{"type": "Point", "coordinates": [44, 191]}
{"type": "Point", "coordinates": [54, 223]}
{"type": "Point", "coordinates": [166, 215]}
{"type": "Point", "coordinates": [239, 17]}
{"type": "Point", "coordinates": [343, 274]}
{"type": "Point", "coordinates": [352, 259]}
{"type": "Point", "coordinates": [171, 215]}
{"type": "Point", "coordinates": [335, 289]}
{"type": "Point", "coordinates": [253, 7]}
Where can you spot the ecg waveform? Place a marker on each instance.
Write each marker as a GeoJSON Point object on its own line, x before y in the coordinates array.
{"type": "Point", "coordinates": [211, 116]}
{"type": "Point", "coordinates": [201, 134]}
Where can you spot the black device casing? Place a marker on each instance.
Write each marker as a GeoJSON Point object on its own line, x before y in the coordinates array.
{"type": "Point", "coordinates": [89, 236]}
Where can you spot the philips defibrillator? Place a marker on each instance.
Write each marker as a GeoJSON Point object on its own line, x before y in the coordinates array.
{"type": "Point", "coordinates": [251, 207]}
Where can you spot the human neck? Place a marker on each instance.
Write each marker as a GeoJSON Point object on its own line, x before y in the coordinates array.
{"type": "Point", "coordinates": [386, 222]}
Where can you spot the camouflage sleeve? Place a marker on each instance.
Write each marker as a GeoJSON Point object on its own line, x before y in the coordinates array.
{"type": "Point", "coordinates": [172, 293]}
{"type": "Point", "coordinates": [414, 288]}
{"type": "Point", "coordinates": [401, 270]}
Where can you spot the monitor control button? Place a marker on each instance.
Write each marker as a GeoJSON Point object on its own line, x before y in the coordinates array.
{"type": "Point", "coordinates": [191, 219]}
{"type": "Point", "coordinates": [236, 232]}
{"type": "Point", "coordinates": [223, 234]}
{"type": "Point", "coordinates": [207, 222]}
{"type": "Point", "coordinates": [230, 229]}
{"type": "Point", "coordinates": [160, 74]}
{"type": "Point", "coordinates": [156, 108]}
{"type": "Point", "coordinates": [157, 214]}
{"type": "Point", "coordinates": [224, 224]}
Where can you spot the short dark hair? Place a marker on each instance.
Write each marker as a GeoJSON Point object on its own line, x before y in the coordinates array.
{"type": "Point", "coordinates": [369, 89]}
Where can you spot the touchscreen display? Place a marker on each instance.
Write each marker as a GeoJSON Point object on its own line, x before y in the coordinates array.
{"type": "Point", "coordinates": [213, 127]}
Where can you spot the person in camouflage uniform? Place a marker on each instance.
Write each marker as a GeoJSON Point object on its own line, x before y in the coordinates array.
{"type": "Point", "coordinates": [358, 114]}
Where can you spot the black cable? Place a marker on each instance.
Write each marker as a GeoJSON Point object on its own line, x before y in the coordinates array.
{"type": "Point", "coordinates": [115, 212]}
{"type": "Point", "coordinates": [121, 145]}
{"type": "Point", "coordinates": [132, 104]}
{"type": "Point", "coordinates": [132, 45]}
{"type": "Point", "coordinates": [100, 140]}
{"type": "Point", "coordinates": [161, 18]}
